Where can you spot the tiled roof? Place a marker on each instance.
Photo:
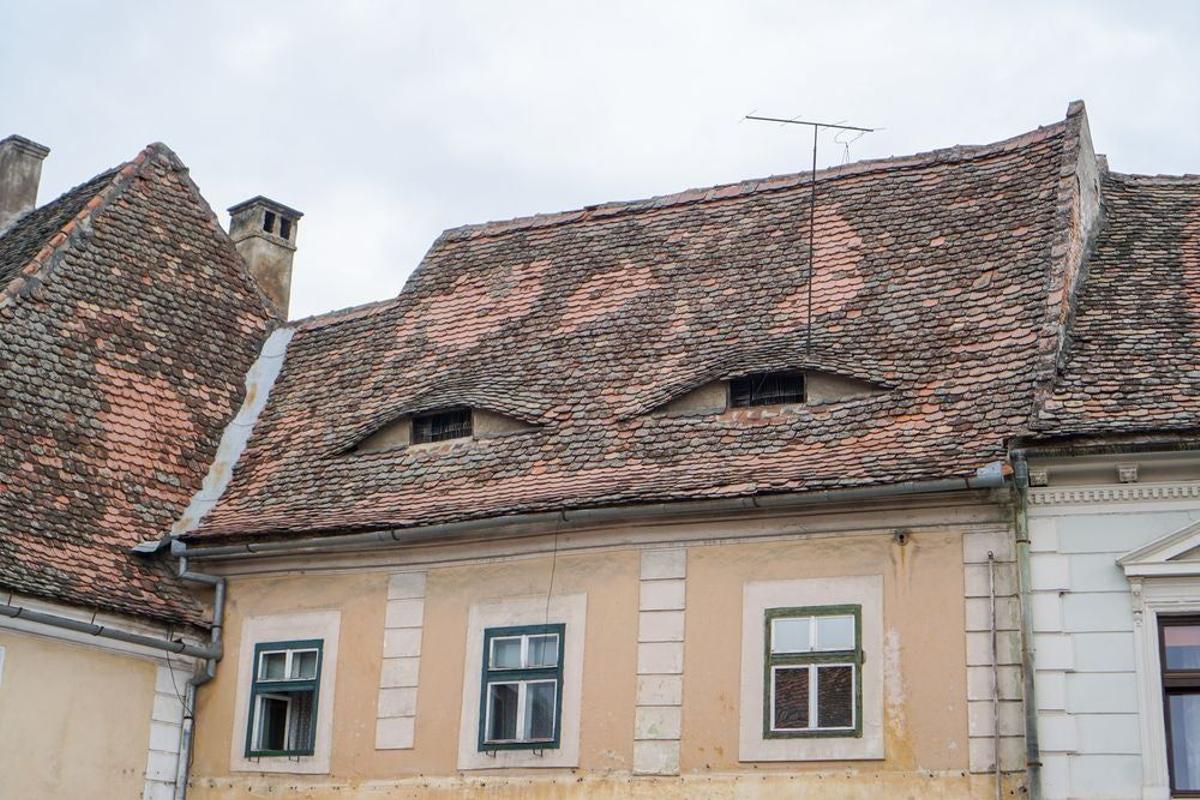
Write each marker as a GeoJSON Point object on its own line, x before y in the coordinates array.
{"type": "Point", "coordinates": [1133, 361]}
{"type": "Point", "coordinates": [127, 324]}
{"type": "Point", "coordinates": [931, 279]}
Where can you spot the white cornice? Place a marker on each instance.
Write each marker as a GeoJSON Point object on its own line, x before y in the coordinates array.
{"type": "Point", "coordinates": [1124, 493]}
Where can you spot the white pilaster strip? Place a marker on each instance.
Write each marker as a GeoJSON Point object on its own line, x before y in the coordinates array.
{"type": "Point", "coordinates": [981, 716]}
{"type": "Point", "coordinates": [658, 718]}
{"type": "Point", "coordinates": [396, 720]}
{"type": "Point", "coordinates": [166, 719]}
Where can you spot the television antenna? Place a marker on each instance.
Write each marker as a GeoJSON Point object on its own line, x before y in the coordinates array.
{"type": "Point", "coordinates": [812, 201]}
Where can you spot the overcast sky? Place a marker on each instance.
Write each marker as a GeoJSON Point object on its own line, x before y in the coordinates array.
{"type": "Point", "coordinates": [386, 122]}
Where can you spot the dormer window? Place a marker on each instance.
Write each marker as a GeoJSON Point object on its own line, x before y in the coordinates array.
{"type": "Point", "coordinates": [767, 389]}
{"type": "Point", "coordinates": [438, 426]}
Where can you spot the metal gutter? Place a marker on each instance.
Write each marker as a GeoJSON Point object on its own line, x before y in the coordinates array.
{"type": "Point", "coordinates": [203, 675]}
{"type": "Point", "coordinates": [991, 476]}
{"type": "Point", "coordinates": [1033, 757]}
{"type": "Point", "coordinates": [105, 631]}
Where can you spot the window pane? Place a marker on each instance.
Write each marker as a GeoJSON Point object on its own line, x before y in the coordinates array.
{"type": "Point", "coordinates": [543, 651]}
{"type": "Point", "coordinates": [791, 697]}
{"type": "Point", "coordinates": [304, 664]}
{"type": "Point", "coordinates": [835, 697]}
{"type": "Point", "coordinates": [272, 723]}
{"type": "Point", "coordinates": [790, 634]}
{"type": "Point", "coordinates": [1184, 710]}
{"type": "Point", "coordinates": [300, 731]}
{"type": "Point", "coordinates": [506, 653]}
{"type": "Point", "coordinates": [502, 712]}
{"type": "Point", "coordinates": [1182, 645]}
{"type": "Point", "coordinates": [539, 710]}
{"type": "Point", "coordinates": [835, 633]}
{"type": "Point", "coordinates": [272, 666]}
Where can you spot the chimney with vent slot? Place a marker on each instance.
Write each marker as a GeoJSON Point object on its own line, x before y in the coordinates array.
{"type": "Point", "coordinates": [20, 172]}
{"type": "Point", "coordinates": [264, 233]}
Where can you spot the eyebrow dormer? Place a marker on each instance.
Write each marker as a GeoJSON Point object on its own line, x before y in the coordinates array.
{"type": "Point", "coordinates": [769, 388]}
{"type": "Point", "coordinates": [451, 424]}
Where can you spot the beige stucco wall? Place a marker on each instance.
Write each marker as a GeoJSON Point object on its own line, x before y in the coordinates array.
{"type": "Point", "coordinates": [74, 720]}
{"type": "Point", "coordinates": [925, 709]}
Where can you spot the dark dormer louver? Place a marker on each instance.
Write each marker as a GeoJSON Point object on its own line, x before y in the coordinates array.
{"type": "Point", "coordinates": [767, 389]}
{"type": "Point", "coordinates": [438, 426]}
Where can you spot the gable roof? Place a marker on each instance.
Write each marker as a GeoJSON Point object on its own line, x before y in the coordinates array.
{"type": "Point", "coordinates": [127, 323]}
{"type": "Point", "coordinates": [932, 278]}
{"type": "Point", "coordinates": [1133, 361]}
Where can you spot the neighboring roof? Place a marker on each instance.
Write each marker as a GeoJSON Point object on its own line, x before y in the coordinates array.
{"type": "Point", "coordinates": [127, 324]}
{"type": "Point", "coordinates": [931, 279]}
{"type": "Point", "coordinates": [1133, 361]}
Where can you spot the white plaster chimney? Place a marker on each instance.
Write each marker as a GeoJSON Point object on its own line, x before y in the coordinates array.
{"type": "Point", "coordinates": [20, 173]}
{"type": "Point", "coordinates": [264, 233]}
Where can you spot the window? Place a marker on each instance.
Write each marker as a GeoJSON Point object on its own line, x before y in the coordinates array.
{"type": "Point", "coordinates": [285, 227]}
{"type": "Point", "coordinates": [766, 389]}
{"type": "Point", "coordinates": [283, 699]}
{"type": "Point", "coordinates": [812, 664]}
{"type": "Point", "coordinates": [1179, 639]}
{"type": "Point", "coordinates": [269, 221]}
{"type": "Point", "coordinates": [439, 426]}
{"type": "Point", "coordinates": [521, 692]}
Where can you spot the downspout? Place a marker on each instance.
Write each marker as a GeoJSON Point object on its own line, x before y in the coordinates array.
{"type": "Point", "coordinates": [1033, 758]}
{"type": "Point", "coordinates": [204, 674]}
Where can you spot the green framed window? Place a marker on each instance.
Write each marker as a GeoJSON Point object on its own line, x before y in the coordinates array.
{"type": "Point", "coordinates": [520, 693]}
{"type": "Point", "coordinates": [283, 698]}
{"type": "Point", "coordinates": [813, 672]}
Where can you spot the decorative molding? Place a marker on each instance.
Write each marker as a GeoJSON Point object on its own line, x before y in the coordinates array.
{"type": "Point", "coordinates": [658, 715]}
{"type": "Point", "coordinates": [757, 597]}
{"type": "Point", "coordinates": [1125, 493]}
{"type": "Point", "coordinates": [325, 625]}
{"type": "Point", "coordinates": [395, 723]}
{"type": "Point", "coordinates": [567, 609]}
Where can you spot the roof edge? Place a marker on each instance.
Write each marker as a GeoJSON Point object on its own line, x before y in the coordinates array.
{"type": "Point", "coordinates": [953, 154]}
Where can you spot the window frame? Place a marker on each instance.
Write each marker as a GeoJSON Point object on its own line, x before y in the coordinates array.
{"type": "Point", "coordinates": [812, 660]}
{"type": "Point", "coordinates": [751, 401]}
{"type": "Point", "coordinates": [260, 687]}
{"type": "Point", "coordinates": [1173, 682]}
{"type": "Point", "coordinates": [520, 675]}
{"type": "Point", "coordinates": [429, 417]}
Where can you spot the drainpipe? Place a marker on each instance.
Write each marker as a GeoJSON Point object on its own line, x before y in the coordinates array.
{"type": "Point", "coordinates": [203, 674]}
{"type": "Point", "coordinates": [1033, 758]}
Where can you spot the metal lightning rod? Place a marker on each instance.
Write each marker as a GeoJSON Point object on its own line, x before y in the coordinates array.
{"type": "Point", "coordinates": [812, 204]}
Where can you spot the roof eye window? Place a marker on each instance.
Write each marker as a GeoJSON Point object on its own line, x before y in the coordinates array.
{"type": "Point", "coordinates": [438, 426]}
{"type": "Point", "coordinates": [767, 389]}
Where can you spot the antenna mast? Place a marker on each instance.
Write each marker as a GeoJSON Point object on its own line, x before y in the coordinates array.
{"type": "Point", "coordinates": [812, 203]}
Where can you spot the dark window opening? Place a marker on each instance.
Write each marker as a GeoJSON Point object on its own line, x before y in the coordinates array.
{"type": "Point", "coordinates": [285, 227]}
{"type": "Point", "coordinates": [269, 221]}
{"type": "Point", "coordinates": [1179, 653]}
{"type": "Point", "coordinates": [441, 425]}
{"type": "Point", "coordinates": [767, 389]}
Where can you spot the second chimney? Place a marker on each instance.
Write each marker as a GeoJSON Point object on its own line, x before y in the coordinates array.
{"type": "Point", "coordinates": [20, 173]}
{"type": "Point", "coordinates": [264, 233]}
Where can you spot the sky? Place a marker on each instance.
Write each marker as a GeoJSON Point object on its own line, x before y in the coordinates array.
{"type": "Point", "coordinates": [388, 122]}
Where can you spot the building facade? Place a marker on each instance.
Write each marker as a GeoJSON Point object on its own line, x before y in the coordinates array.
{"type": "Point", "coordinates": [644, 499]}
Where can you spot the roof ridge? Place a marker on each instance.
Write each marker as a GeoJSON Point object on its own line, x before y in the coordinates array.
{"type": "Point", "coordinates": [326, 318]}
{"type": "Point", "coordinates": [40, 266]}
{"type": "Point", "coordinates": [770, 183]}
{"type": "Point", "coordinates": [1134, 177]}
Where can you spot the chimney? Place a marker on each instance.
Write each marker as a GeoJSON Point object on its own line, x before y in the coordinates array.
{"type": "Point", "coordinates": [264, 233]}
{"type": "Point", "coordinates": [20, 172]}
